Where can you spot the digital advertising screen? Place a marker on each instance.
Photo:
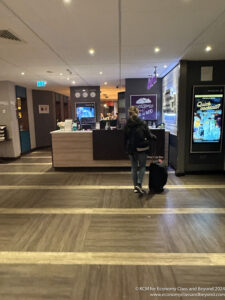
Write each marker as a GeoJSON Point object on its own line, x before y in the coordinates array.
{"type": "Point", "coordinates": [85, 110]}
{"type": "Point", "coordinates": [207, 117]}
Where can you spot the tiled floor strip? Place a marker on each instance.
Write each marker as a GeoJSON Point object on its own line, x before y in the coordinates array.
{"type": "Point", "coordinates": [27, 164]}
{"type": "Point", "coordinates": [111, 258]}
{"type": "Point", "coordinates": [104, 187]}
{"type": "Point", "coordinates": [111, 211]}
{"type": "Point", "coordinates": [60, 172]}
{"type": "Point", "coordinates": [34, 157]}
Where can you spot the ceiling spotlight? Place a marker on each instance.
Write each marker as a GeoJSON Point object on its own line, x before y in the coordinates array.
{"type": "Point", "coordinates": [91, 51]}
{"type": "Point", "coordinates": [67, 78]}
{"type": "Point", "coordinates": [165, 66]}
{"type": "Point", "coordinates": [22, 73]}
{"type": "Point", "coordinates": [208, 49]}
{"type": "Point", "coordinates": [105, 83]}
{"type": "Point", "coordinates": [73, 82]}
{"type": "Point", "coordinates": [67, 1]}
{"type": "Point", "coordinates": [157, 49]}
{"type": "Point", "coordinates": [60, 74]}
{"type": "Point", "coordinates": [101, 73]}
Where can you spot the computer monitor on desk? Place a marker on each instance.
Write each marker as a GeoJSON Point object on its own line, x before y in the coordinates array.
{"type": "Point", "coordinates": [86, 126]}
{"type": "Point", "coordinates": [112, 123]}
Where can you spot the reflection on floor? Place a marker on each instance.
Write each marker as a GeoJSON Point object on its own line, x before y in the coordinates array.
{"type": "Point", "coordinates": [87, 236]}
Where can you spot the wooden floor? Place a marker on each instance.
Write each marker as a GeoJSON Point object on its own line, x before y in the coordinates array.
{"type": "Point", "coordinates": [87, 236]}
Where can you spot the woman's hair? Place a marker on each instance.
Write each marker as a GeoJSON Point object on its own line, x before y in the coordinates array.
{"type": "Point", "coordinates": [133, 112]}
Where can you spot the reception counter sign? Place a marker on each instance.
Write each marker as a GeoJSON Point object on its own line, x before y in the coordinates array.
{"type": "Point", "coordinates": [147, 105]}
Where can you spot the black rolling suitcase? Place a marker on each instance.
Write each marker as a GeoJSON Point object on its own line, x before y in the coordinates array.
{"type": "Point", "coordinates": [157, 170]}
{"type": "Point", "coordinates": [157, 176]}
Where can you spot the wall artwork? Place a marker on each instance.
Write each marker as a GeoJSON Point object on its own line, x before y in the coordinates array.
{"type": "Point", "coordinates": [43, 109]}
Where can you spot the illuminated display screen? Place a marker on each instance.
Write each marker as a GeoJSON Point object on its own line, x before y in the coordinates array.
{"type": "Point", "coordinates": [207, 118]}
{"type": "Point", "coordinates": [85, 110]}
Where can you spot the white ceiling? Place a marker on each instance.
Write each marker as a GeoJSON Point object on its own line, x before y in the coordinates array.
{"type": "Point", "coordinates": [56, 37]}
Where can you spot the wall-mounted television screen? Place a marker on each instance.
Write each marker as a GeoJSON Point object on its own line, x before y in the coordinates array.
{"type": "Point", "coordinates": [207, 116]}
{"type": "Point", "coordinates": [85, 110]}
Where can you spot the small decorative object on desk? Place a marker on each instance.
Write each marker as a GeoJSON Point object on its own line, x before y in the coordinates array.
{"type": "Point", "coordinates": [61, 125]}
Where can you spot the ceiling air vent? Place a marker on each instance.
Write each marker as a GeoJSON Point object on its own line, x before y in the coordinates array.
{"type": "Point", "coordinates": [5, 34]}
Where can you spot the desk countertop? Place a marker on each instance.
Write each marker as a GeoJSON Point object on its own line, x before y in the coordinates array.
{"type": "Point", "coordinates": [74, 132]}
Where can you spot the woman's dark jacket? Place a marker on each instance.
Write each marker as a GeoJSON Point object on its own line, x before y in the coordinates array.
{"type": "Point", "coordinates": [136, 134]}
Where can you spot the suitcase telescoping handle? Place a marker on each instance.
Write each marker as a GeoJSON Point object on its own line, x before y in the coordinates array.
{"type": "Point", "coordinates": [154, 157]}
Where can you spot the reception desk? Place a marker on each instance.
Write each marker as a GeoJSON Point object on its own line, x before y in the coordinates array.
{"type": "Point", "coordinates": [97, 148]}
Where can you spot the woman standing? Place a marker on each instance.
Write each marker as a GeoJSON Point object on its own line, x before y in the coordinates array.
{"type": "Point", "coordinates": [137, 138]}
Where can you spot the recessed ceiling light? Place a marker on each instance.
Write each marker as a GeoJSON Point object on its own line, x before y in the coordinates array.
{"type": "Point", "coordinates": [157, 49]}
{"type": "Point", "coordinates": [60, 74]}
{"type": "Point", "coordinates": [83, 90]}
{"type": "Point", "coordinates": [91, 51]}
{"type": "Point", "coordinates": [67, 1]}
{"type": "Point", "coordinates": [165, 66]}
{"type": "Point", "coordinates": [105, 83]}
{"type": "Point", "coordinates": [208, 48]}
{"type": "Point", "coordinates": [67, 78]}
{"type": "Point", "coordinates": [73, 82]}
{"type": "Point", "coordinates": [101, 73]}
{"type": "Point", "coordinates": [22, 73]}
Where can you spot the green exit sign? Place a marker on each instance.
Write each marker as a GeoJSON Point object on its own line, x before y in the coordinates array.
{"type": "Point", "coordinates": [41, 83]}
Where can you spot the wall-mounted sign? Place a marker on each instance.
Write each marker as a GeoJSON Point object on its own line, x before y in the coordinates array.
{"type": "Point", "coordinates": [147, 105]}
{"type": "Point", "coordinates": [41, 83]}
{"type": "Point", "coordinates": [206, 73]}
{"type": "Point", "coordinates": [151, 81]}
{"type": "Point", "coordinates": [43, 109]}
{"type": "Point", "coordinates": [207, 118]}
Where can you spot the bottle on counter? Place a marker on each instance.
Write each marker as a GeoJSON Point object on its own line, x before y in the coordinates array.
{"type": "Point", "coordinates": [78, 125]}
{"type": "Point", "coordinates": [74, 126]}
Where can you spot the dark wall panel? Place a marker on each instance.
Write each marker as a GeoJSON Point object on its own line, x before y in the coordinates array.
{"type": "Point", "coordinates": [44, 123]}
